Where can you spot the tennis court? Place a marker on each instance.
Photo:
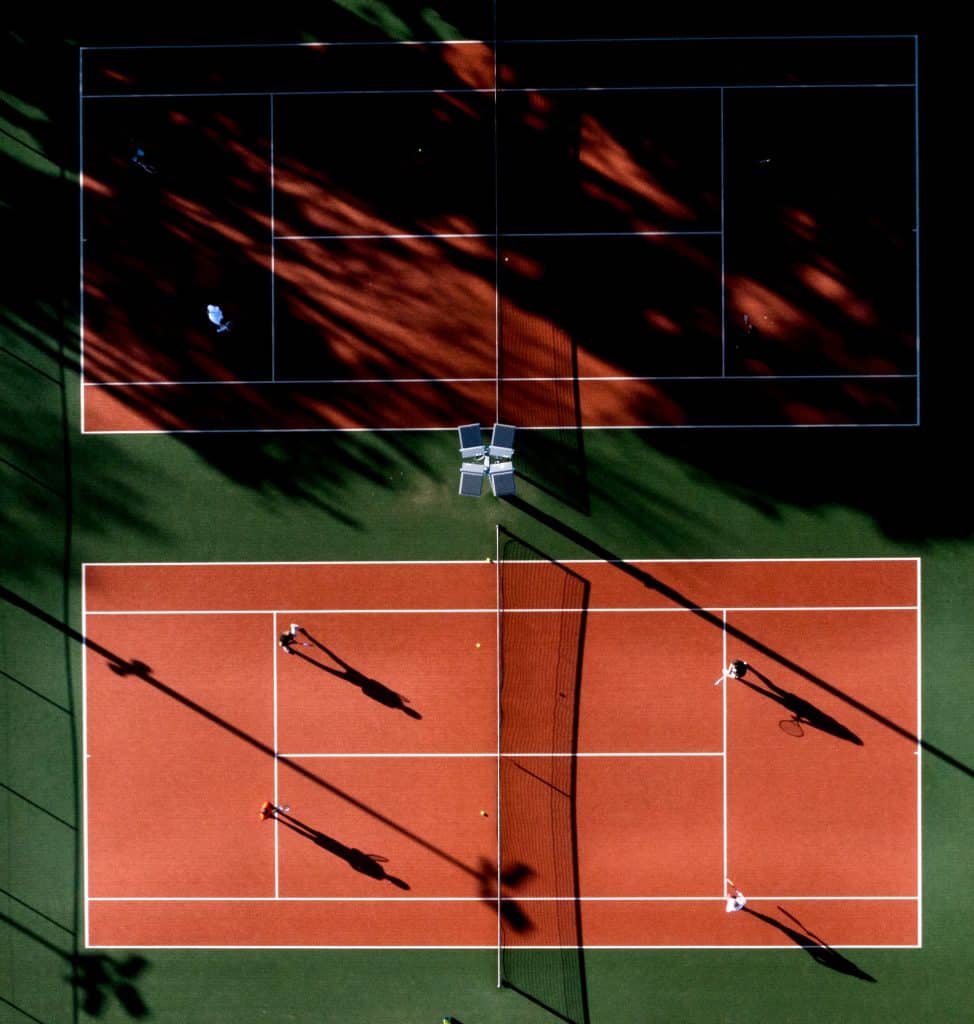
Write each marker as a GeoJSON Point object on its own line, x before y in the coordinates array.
{"type": "Point", "coordinates": [560, 234]}
{"type": "Point", "coordinates": [505, 774]}
{"type": "Point", "coordinates": [405, 753]}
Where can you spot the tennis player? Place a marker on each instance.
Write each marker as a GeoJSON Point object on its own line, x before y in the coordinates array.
{"type": "Point", "coordinates": [291, 637]}
{"type": "Point", "coordinates": [215, 315]}
{"type": "Point", "coordinates": [736, 900]}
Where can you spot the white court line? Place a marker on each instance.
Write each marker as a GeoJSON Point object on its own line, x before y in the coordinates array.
{"type": "Point", "coordinates": [723, 266]}
{"type": "Point", "coordinates": [528, 561]}
{"type": "Point", "coordinates": [151, 431]}
{"type": "Point", "coordinates": [308, 562]}
{"type": "Point", "coordinates": [680, 610]}
{"type": "Point", "coordinates": [292, 380]}
{"type": "Point", "coordinates": [263, 93]}
{"type": "Point", "coordinates": [916, 214]}
{"type": "Point", "coordinates": [327, 44]}
{"type": "Point", "coordinates": [723, 697]}
{"type": "Point", "coordinates": [84, 769]}
{"type": "Point", "coordinates": [437, 91]}
{"type": "Point", "coordinates": [707, 88]}
{"type": "Point", "coordinates": [491, 947]}
{"type": "Point", "coordinates": [543, 755]}
{"type": "Point", "coordinates": [399, 236]}
{"type": "Point", "coordinates": [919, 733]}
{"type": "Point", "coordinates": [273, 269]}
{"type": "Point", "coordinates": [277, 757]}
{"type": "Point", "coordinates": [499, 234]}
{"type": "Point", "coordinates": [81, 244]}
{"type": "Point", "coordinates": [316, 45]}
{"type": "Point", "coordinates": [480, 899]}
{"type": "Point", "coordinates": [703, 39]}
{"type": "Point", "coordinates": [305, 611]}
{"type": "Point", "coordinates": [498, 717]}
{"type": "Point", "coordinates": [748, 378]}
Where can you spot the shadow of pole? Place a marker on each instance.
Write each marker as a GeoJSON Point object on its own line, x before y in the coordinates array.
{"type": "Point", "coordinates": [650, 582]}
{"type": "Point", "coordinates": [141, 671]}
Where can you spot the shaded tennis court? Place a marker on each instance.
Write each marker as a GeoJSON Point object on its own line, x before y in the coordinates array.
{"type": "Point", "coordinates": [642, 233]}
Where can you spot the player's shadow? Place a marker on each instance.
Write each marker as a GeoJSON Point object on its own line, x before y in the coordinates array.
{"type": "Point", "coordinates": [803, 712]}
{"type": "Point", "coordinates": [816, 947]}
{"type": "Point", "coordinates": [371, 688]}
{"type": "Point", "coordinates": [365, 863]}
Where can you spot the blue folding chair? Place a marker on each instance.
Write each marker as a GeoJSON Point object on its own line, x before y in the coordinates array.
{"type": "Point", "coordinates": [471, 441]}
{"type": "Point", "coordinates": [502, 441]}
{"type": "Point", "coordinates": [472, 479]}
{"type": "Point", "coordinates": [501, 478]}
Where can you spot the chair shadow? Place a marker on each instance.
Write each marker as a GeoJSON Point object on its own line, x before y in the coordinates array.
{"type": "Point", "coordinates": [365, 863]}
{"type": "Point", "coordinates": [817, 948]}
{"type": "Point", "coordinates": [510, 910]}
{"type": "Point", "coordinates": [136, 668]}
{"type": "Point", "coordinates": [803, 712]}
{"type": "Point", "coordinates": [371, 688]}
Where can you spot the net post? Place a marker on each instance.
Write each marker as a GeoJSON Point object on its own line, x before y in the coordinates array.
{"type": "Point", "coordinates": [497, 801]}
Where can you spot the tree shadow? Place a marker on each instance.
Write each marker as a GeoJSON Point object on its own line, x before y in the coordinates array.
{"type": "Point", "coordinates": [371, 688]}
{"type": "Point", "coordinates": [817, 948]}
{"type": "Point", "coordinates": [559, 466]}
{"type": "Point", "coordinates": [803, 712]}
{"type": "Point", "coordinates": [369, 864]}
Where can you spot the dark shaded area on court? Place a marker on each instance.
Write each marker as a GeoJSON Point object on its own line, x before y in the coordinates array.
{"type": "Point", "coordinates": [690, 62]}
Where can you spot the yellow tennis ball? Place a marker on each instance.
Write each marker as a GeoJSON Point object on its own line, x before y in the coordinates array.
{"type": "Point", "coordinates": [476, 645]}
{"type": "Point", "coordinates": [483, 814]}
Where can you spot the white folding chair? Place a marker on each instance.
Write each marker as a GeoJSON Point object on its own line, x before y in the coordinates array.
{"type": "Point", "coordinates": [502, 441]}
{"type": "Point", "coordinates": [501, 478]}
{"type": "Point", "coordinates": [471, 441]}
{"type": "Point", "coordinates": [471, 479]}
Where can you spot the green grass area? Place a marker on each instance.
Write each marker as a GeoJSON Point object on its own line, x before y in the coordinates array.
{"type": "Point", "coordinates": [67, 498]}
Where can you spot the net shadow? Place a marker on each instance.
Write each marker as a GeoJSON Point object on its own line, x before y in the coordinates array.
{"type": "Point", "coordinates": [535, 347]}
{"type": "Point", "coordinates": [542, 608]}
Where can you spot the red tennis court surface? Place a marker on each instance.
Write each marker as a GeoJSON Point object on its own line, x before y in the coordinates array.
{"type": "Point", "coordinates": [548, 234]}
{"type": "Point", "coordinates": [381, 737]}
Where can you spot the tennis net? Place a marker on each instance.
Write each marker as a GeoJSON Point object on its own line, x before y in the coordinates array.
{"type": "Point", "coordinates": [541, 631]}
